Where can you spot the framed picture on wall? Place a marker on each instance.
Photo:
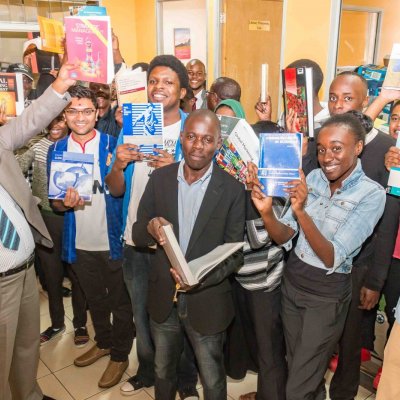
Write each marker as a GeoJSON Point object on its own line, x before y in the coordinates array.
{"type": "Point", "coordinates": [182, 43]}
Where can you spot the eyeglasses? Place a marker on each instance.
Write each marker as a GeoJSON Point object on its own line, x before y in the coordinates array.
{"type": "Point", "coordinates": [208, 93]}
{"type": "Point", "coordinates": [73, 112]}
{"type": "Point", "coordinates": [198, 74]}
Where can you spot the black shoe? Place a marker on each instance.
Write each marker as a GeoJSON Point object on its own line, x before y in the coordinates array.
{"type": "Point", "coordinates": [66, 292]}
{"type": "Point", "coordinates": [133, 385]}
{"type": "Point", "coordinates": [50, 334]}
{"type": "Point", "coordinates": [188, 393]}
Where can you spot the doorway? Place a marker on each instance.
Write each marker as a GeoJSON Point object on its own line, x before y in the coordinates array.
{"type": "Point", "coordinates": [251, 34]}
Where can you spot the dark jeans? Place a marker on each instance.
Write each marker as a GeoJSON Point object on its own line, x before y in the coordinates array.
{"type": "Point", "coordinates": [169, 343]}
{"type": "Point", "coordinates": [53, 271]}
{"type": "Point", "coordinates": [345, 381]}
{"type": "Point", "coordinates": [103, 284]}
{"type": "Point", "coordinates": [312, 326]}
{"type": "Point", "coordinates": [136, 268]}
{"type": "Point", "coordinates": [264, 310]}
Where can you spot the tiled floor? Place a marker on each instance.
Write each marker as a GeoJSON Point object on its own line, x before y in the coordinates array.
{"type": "Point", "coordinates": [59, 378]}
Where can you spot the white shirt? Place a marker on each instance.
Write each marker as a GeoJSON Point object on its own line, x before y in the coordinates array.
{"type": "Point", "coordinates": [141, 176]}
{"type": "Point", "coordinates": [91, 220]}
{"type": "Point", "coordinates": [10, 259]}
{"type": "Point", "coordinates": [199, 100]}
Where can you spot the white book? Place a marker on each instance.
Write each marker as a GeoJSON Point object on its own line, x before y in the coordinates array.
{"type": "Point", "coordinates": [194, 271]}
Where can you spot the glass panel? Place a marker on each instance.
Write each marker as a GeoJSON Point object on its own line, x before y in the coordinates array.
{"type": "Point", "coordinates": [4, 11]}
{"type": "Point", "coordinates": [16, 11]}
{"type": "Point", "coordinates": [31, 10]}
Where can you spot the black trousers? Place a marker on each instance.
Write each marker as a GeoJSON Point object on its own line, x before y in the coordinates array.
{"type": "Point", "coordinates": [103, 284]}
{"type": "Point", "coordinates": [345, 381]}
{"type": "Point", "coordinates": [391, 291]}
{"type": "Point", "coordinates": [264, 310]}
{"type": "Point", "coordinates": [312, 325]}
{"type": "Point", "coordinates": [53, 271]}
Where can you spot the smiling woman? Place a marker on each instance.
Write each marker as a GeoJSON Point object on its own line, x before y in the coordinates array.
{"type": "Point", "coordinates": [333, 212]}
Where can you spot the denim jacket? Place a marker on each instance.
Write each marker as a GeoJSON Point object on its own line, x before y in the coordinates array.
{"type": "Point", "coordinates": [346, 219]}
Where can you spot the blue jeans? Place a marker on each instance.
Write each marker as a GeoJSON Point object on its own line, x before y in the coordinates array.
{"type": "Point", "coordinates": [136, 268]}
{"type": "Point", "coordinates": [169, 342]}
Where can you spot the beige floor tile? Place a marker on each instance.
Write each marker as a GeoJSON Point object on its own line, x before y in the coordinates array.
{"type": "Point", "coordinates": [51, 386]}
{"type": "Point", "coordinates": [61, 352]}
{"type": "Point", "coordinates": [114, 394]}
{"type": "Point", "coordinates": [44, 304]}
{"type": "Point", "coordinates": [70, 315]}
{"type": "Point", "coordinates": [42, 370]}
{"type": "Point", "coordinates": [82, 382]}
{"type": "Point", "coordinates": [362, 393]}
{"type": "Point", "coordinates": [45, 322]}
{"type": "Point", "coordinates": [246, 385]}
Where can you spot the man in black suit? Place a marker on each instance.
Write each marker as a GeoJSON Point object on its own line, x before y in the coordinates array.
{"type": "Point", "coordinates": [206, 207]}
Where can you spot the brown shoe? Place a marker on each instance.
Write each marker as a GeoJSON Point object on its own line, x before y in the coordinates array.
{"type": "Point", "coordinates": [92, 355]}
{"type": "Point", "coordinates": [113, 373]}
{"type": "Point", "coordinates": [248, 396]}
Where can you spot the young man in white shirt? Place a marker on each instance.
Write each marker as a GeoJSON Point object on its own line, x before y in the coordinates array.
{"type": "Point", "coordinates": [91, 241]}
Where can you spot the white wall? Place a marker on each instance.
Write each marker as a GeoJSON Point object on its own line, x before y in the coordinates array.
{"type": "Point", "coordinates": [190, 14]}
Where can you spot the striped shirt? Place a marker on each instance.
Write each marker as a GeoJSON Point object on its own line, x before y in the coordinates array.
{"type": "Point", "coordinates": [263, 260]}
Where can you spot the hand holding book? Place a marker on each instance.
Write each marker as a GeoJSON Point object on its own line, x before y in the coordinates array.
{"type": "Point", "coordinates": [154, 227]}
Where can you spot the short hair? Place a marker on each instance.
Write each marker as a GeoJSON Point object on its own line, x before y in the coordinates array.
{"type": "Point", "coordinates": [196, 61]}
{"type": "Point", "coordinates": [143, 65]}
{"type": "Point", "coordinates": [175, 64]}
{"type": "Point", "coordinates": [189, 94]}
{"type": "Point", "coordinates": [318, 75]}
{"type": "Point", "coordinates": [227, 88]}
{"type": "Point", "coordinates": [82, 92]}
{"type": "Point", "coordinates": [266, 127]}
{"type": "Point", "coordinates": [360, 77]}
{"type": "Point", "coordinates": [350, 120]}
{"type": "Point", "coordinates": [395, 104]}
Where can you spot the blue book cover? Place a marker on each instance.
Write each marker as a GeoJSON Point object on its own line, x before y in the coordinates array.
{"type": "Point", "coordinates": [143, 126]}
{"type": "Point", "coordinates": [71, 170]}
{"type": "Point", "coordinates": [92, 11]}
{"type": "Point", "coordinates": [394, 178]}
{"type": "Point", "coordinates": [280, 160]}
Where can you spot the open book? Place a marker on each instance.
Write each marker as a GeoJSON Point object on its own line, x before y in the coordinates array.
{"type": "Point", "coordinates": [194, 271]}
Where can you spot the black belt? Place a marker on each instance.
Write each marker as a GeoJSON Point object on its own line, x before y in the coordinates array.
{"type": "Point", "coordinates": [25, 265]}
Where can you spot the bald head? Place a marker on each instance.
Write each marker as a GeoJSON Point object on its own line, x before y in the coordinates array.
{"type": "Point", "coordinates": [200, 138]}
{"type": "Point", "coordinates": [195, 61]}
{"type": "Point", "coordinates": [348, 91]}
{"type": "Point", "coordinates": [208, 117]}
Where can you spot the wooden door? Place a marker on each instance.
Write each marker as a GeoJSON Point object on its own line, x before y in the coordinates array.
{"type": "Point", "coordinates": [251, 35]}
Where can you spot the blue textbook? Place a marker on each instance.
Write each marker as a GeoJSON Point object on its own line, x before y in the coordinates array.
{"type": "Point", "coordinates": [71, 170]}
{"type": "Point", "coordinates": [280, 160]}
{"type": "Point", "coordinates": [143, 126]}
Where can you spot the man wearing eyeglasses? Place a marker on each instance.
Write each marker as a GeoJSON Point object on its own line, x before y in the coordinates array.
{"type": "Point", "coordinates": [91, 241]}
{"type": "Point", "coordinates": [197, 82]}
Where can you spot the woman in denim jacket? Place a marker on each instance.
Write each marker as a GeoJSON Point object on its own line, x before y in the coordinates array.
{"type": "Point", "coordinates": [333, 212]}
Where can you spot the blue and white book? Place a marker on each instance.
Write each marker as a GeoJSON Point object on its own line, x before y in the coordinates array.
{"type": "Point", "coordinates": [394, 178]}
{"type": "Point", "coordinates": [71, 170]}
{"type": "Point", "coordinates": [280, 160]}
{"type": "Point", "coordinates": [143, 126]}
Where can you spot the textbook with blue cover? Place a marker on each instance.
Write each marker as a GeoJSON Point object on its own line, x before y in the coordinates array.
{"type": "Point", "coordinates": [70, 169]}
{"type": "Point", "coordinates": [143, 126]}
{"type": "Point", "coordinates": [280, 160]}
{"type": "Point", "coordinates": [394, 177]}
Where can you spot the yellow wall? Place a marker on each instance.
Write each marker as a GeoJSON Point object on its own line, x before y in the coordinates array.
{"type": "Point", "coordinates": [306, 35]}
{"type": "Point", "coordinates": [390, 32]}
{"type": "Point", "coordinates": [307, 32]}
{"type": "Point", "coordinates": [134, 22]}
